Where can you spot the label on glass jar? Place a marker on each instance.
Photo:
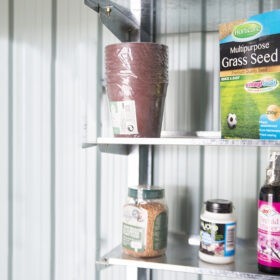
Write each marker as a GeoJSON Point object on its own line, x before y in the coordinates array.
{"type": "Point", "coordinates": [160, 232]}
{"type": "Point", "coordinates": [123, 115]}
{"type": "Point", "coordinates": [269, 233]}
{"type": "Point", "coordinates": [217, 239]}
{"type": "Point", "coordinates": [134, 228]}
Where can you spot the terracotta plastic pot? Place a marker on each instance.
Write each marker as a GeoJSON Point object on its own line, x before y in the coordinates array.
{"type": "Point", "coordinates": [136, 83]}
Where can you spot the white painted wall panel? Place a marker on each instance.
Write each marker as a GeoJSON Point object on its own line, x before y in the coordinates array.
{"type": "Point", "coordinates": [271, 5]}
{"type": "Point", "coordinates": [31, 141]}
{"type": "Point", "coordinates": [32, 245]}
{"type": "Point", "coordinates": [178, 170]}
{"type": "Point", "coordinates": [182, 101]}
{"type": "Point", "coordinates": [226, 172]}
{"type": "Point", "coordinates": [76, 90]}
{"type": "Point", "coordinates": [161, 274]}
{"type": "Point", "coordinates": [4, 139]}
{"type": "Point", "coordinates": [212, 114]}
{"type": "Point", "coordinates": [113, 196]}
{"type": "Point", "coordinates": [114, 182]}
{"type": "Point", "coordinates": [231, 173]}
{"type": "Point", "coordinates": [66, 228]}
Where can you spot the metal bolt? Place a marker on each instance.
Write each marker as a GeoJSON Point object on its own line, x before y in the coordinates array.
{"type": "Point", "coordinates": [108, 10]}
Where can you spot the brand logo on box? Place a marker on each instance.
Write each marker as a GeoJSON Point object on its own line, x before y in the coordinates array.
{"type": "Point", "coordinates": [246, 31]}
{"type": "Point", "coordinates": [261, 86]}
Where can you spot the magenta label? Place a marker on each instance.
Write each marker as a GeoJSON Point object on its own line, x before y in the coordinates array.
{"type": "Point", "coordinates": [269, 233]}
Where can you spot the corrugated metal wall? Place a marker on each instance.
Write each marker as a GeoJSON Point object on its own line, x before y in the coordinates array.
{"type": "Point", "coordinates": [195, 174]}
{"type": "Point", "coordinates": [48, 54]}
{"type": "Point", "coordinates": [50, 95]}
{"type": "Point", "coordinates": [4, 147]}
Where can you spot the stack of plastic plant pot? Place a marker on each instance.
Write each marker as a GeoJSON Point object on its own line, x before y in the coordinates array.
{"type": "Point", "coordinates": [136, 85]}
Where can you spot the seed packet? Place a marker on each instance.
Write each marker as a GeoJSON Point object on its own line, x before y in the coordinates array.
{"type": "Point", "coordinates": [249, 77]}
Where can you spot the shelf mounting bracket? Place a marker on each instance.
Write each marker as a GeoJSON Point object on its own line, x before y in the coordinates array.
{"type": "Point", "coordinates": [134, 23]}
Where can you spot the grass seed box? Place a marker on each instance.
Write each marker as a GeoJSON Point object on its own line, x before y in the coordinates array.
{"type": "Point", "coordinates": [249, 77]}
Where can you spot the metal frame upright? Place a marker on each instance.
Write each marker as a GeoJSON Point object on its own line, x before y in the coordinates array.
{"type": "Point", "coordinates": [136, 23]}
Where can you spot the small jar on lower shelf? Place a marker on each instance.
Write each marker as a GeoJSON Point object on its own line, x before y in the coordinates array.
{"type": "Point", "coordinates": [145, 220]}
{"type": "Point", "coordinates": [217, 232]}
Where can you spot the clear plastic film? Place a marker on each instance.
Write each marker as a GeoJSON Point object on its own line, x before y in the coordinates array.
{"type": "Point", "coordinates": [273, 170]}
{"type": "Point", "coordinates": [136, 84]}
{"type": "Point", "coordinates": [136, 62]}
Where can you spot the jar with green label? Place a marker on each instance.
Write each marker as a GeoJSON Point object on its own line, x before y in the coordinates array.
{"type": "Point", "coordinates": [145, 220]}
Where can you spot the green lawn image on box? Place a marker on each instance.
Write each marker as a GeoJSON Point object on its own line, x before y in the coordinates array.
{"type": "Point", "coordinates": [247, 106]}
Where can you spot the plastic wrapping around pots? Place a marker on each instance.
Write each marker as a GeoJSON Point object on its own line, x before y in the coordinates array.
{"type": "Point", "coordinates": [136, 83]}
{"type": "Point", "coordinates": [146, 61]}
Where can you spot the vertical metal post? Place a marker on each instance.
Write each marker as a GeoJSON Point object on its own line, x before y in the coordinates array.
{"type": "Point", "coordinates": [146, 168]}
{"type": "Point", "coordinates": [144, 274]}
{"type": "Point", "coordinates": [148, 21]}
{"type": "Point", "coordinates": [146, 152]}
{"type": "Point", "coordinates": [53, 141]}
{"type": "Point", "coordinates": [140, 172]}
{"type": "Point", "coordinates": [145, 165]}
{"type": "Point", "coordinates": [127, 25]}
{"type": "Point", "coordinates": [10, 139]}
{"type": "Point", "coordinates": [98, 155]}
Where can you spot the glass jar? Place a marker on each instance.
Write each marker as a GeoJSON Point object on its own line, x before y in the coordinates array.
{"type": "Point", "coordinates": [145, 220]}
{"type": "Point", "coordinates": [217, 232]}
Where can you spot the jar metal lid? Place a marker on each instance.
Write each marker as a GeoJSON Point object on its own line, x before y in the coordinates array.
{"type": "Point", "coordinates": [219, 206]}
{"type": "Point", "coordinates": [146, 192]}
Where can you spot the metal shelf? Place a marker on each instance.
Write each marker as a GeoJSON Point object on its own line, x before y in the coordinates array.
{"type": "Point", "coordinates": [203, 138]}
{"type": "Point", "coordinates": [183, 257]}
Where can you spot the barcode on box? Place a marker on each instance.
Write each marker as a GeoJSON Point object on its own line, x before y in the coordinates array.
{"type": "Point", "coordinates": [230, 237]}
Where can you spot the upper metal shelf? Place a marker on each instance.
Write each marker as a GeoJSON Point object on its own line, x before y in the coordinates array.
{"type": "Point", "coordinates": [203, 138]}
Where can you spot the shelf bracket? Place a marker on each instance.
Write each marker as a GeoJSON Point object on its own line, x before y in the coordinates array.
{"type": "Point", "coordinates": [131, 24]}
{"type": "Point", "coordinates": [101, 264]}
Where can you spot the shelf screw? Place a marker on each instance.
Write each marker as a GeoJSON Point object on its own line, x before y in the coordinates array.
{"type": "Point", "coordinates": [108, 10]}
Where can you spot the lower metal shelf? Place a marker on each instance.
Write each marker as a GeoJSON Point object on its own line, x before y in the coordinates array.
{"type": "Point", "coordinates": [183, 257]}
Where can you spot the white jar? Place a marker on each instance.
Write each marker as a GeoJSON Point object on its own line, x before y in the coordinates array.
{"type": "Point", "coordinates": [217, 232]}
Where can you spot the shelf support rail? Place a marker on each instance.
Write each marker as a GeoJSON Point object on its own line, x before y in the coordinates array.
{"type": "Point", "coordinates": [133, 23]}
{"type": "Point", "coordinates": [128, 24]}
